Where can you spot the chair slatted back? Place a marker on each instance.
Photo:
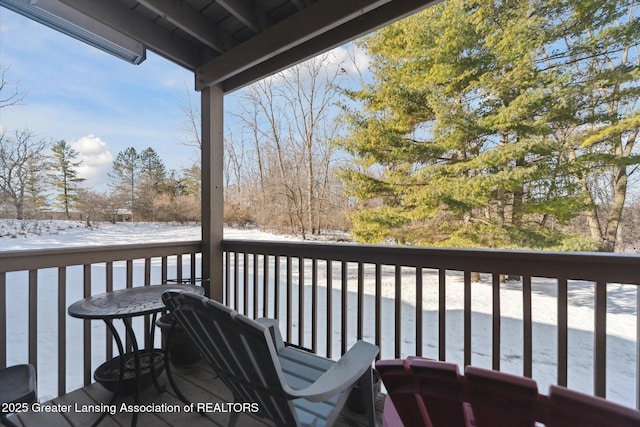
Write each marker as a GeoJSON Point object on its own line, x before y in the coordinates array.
{"type": "Point", "coordinates": [402, 390]}
{"type": "Point", "coordinates": [499, 399]}
{"type": "Point", "coordinates": [572, 408]}
{"type": "Point", "coordinates": [240, 350]}
{"type": "Point", "coordinates": [441, 388]}
{"type": "Point", "coordinates": [487, 398]}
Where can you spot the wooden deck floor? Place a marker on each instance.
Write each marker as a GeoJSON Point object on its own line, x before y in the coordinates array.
{"type": "Point", "coordinates": [197, 382]}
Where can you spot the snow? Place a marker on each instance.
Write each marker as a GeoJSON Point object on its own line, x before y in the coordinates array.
{"type": "Point", "coordinates": [621, 316]}
{"type": "Point", "coordinates": [26, 235]}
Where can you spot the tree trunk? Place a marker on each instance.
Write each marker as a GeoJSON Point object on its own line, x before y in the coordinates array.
{"type": "Point", "coordinates": [593, 219]}
{"type": "Point", "coordinates": [518, 199]}
{"type": "Point", "coordinates": [311, 210]}
{"type": "Point", "coordinates": [615, 213]}
{"type": "Point", "coordinates": [500, 210]}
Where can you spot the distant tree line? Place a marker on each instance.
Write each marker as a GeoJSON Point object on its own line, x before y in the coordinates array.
{"type": "Point", "coordinates": [39, 180]}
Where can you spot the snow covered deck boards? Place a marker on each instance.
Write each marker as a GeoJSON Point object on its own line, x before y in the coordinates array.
{"type": "Point", "coordinates": [197, 382]}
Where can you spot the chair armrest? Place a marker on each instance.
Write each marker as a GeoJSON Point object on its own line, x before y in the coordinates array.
{"type": "Point", "coordinates": [343, 374]}
{"type": "Point", "coordinates": [274, 329]}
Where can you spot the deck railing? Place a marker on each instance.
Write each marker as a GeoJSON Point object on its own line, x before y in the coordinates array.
{"type": "Point", "coordinates": [409, 301]}
{"type": "Point", "coordinates": [376, 292]}
{"type": "Point", "coordinates": [42, 276]}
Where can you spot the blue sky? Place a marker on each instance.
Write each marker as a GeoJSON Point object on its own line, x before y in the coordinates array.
{"type": "Point", "coordinates": [99, 103]}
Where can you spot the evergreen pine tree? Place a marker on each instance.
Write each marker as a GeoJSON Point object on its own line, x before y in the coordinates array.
{"type": "Point", "coordinates": [467, 135]}
{"type": "Point", "coordinates": [64, 175]}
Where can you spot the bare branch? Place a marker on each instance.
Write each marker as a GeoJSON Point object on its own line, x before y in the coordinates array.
{"type": "Point", "coordinates": [10, 93]}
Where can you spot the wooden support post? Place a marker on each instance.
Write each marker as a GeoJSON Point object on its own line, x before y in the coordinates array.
{"type": "Point", "coordinates": [212, 189]}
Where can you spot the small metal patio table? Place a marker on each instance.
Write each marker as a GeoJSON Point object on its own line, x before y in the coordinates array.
{"type": "Point", "coordinates": [124, 304]}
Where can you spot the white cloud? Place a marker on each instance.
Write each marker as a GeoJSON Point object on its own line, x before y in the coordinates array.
{"type": "Point", "coordinates": [96, 160]}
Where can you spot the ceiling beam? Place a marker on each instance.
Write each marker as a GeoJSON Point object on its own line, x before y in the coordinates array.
{"type": "Point", "coordinates": [188, 19]}
{"type": "Point", "coordinates": [371, 21]}
{"type": "Point", "coordinates": [299, 28]}
{"type": "Point", "coordinates": [119, 17]}
{"type": "Point", "coordinates": [252, 16]}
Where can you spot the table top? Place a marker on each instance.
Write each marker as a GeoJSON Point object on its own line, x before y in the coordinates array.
{"type": "Point", "coordinates": [128, 302]}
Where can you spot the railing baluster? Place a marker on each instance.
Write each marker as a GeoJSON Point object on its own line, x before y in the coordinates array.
{"type": "Point", "coordinates": [419, 292]}
{"type": "Point", "coordinates": [129, 273]}
{"type": "Point", "coordinates": [637, 347]}
{"type": "Point", "coordinates": [345, 310]}
{"type": "Point", "coordinates": [165, 265]}
{"type": "Point", "coordinates": [33, 317]}
{"type": "Point", "coordinates": [86, 280]}
{"type": "Point", "coordinates": [129, 284]}
{"type": "Point", "coordinates": [3, 319]}
{"type": "Point", "coordinates": [256, 301]}
{"type": "Point", "coordinates": [289, 308]}
{"type": "Point", "coordinates": [600, 337]}
{"type": "Point", "coordinates": [276, 282]}
{"type": "Point", "coordinates": [378, 307]}
{"type": "Point", "coordinates": [527, 325]}
{"type": "Point", "coordinates": [360, 308]}
{"type": "Point", "coordinates": [236, 276]}
{"type": "Point", "coordinates": [495, 330]}
{"type": "Point", "coordinates": [562, 331]}
{"type": "Point", "coordinates": [467, 318]}
{"type": "Point", "coordinates": [109, 285]}
{"type": "Point", "coordinates": [329, 307]}
{"type": "Point", "coordinates": [62, 330]}
{"type": "Point", "coordinates": [314, 305]}
{"type": "Point", "coordinates": [442, 314]}
{"type": "Point", "coordinates": [301, 301]}
{"type": "Point", "coordinates": [192, 269]}
{"type": "Point", "coordinates": [265, 286]}
{"type": "Point", "coordinates": [147, 318]}
{"type": "Point", "coordinates": [398, 311]}
{"type": "Point", "coordinates": [179, 268]}
{"type": "Point", "coordinates": [227, 278]}
{"type": "Point", "coordinates": [245, 283]}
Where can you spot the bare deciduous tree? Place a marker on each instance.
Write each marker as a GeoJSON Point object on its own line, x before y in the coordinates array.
{"type": "Point", "coordinates": [290, 122]}
{"type": "Point", "coordinates": [22, 170]}
{"type": "Point", "coordinates": [10, 93]}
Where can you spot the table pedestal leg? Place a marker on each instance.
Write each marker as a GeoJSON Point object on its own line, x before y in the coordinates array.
{"type": "Point", "coordinates": [154, 374]}
{"type": "Point", "coordinates": [114, 333]}
{"type": "Point", "coordinates": [136, 360]}
{"type": "Point", "coordinates": [167, 363]}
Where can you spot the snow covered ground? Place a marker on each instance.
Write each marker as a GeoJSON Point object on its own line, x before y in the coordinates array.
{"type": "Point", "coordinates": [19, 235]}
{"type": "Point", "coordinates": [621, 317]}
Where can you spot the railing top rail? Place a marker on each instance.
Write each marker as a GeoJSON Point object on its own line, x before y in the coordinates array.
{"type": "Point", "coordinates": [599, 267]}
{"type": "Point", "coordinates": [592, 266]}
{"type": "Point", "coordinates": [60, 257]}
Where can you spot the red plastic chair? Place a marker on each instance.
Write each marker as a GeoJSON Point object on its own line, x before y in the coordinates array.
{"type": "Point", "coordinates": [499, 399]}
{"type": "Point", "coordinates": [423, 392]}
{"type": "Point", "coordinates": [402, 406]}
{"type": "Point", "coordinates": [441, 388]}
{"type": "Point", "coordinates": [571, 408]}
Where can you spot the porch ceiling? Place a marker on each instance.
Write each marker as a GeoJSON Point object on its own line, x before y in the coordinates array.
{"type": "Point", "coordinates": [232, 43]}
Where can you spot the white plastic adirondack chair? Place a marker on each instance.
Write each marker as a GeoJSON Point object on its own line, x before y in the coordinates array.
{"type": "Point", "coordinates": [292, 387]}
